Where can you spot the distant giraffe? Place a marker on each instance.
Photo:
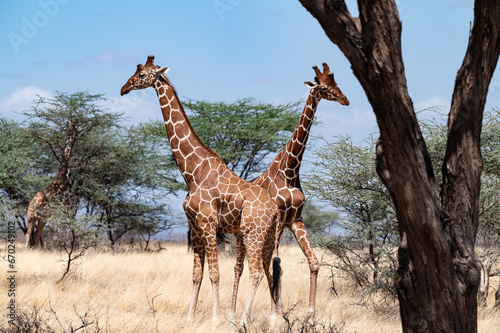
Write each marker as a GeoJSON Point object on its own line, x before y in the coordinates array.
{"type": "Point", "coordinates": [281, 179]}
{"type": "Point", "coordinates": [217, 198]}
{"type": "Point", "coordinates": [39, 207]}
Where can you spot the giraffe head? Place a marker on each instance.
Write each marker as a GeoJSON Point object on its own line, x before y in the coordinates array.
{"type": "Point", "coordinates": [145, 76]}
{"type": "Point", "coordinates": [324, 86]}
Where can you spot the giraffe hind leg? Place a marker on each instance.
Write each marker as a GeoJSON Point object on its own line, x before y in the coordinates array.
{"type": "Point", "coordinates": [256, 269]}
{"type": "Point", "coordinates": [198, 265]}
{"type": "Point", "coordinates": [29, 232]}
{"type": "Point", "coordinates": [299, 231]}
{"type": "Point", "coordinates": [38, 231]}
{"type": "Point", "coordinates": [270, 254]}
{"type": "Point", "coordinates": [238, 270]}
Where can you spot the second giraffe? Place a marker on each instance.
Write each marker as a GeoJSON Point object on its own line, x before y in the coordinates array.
{"type": "Point", "coordinates": [281, 180]}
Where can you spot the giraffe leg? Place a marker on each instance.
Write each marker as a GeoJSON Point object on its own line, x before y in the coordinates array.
{"type": "Point", "coordinates": [238, 270]}
{"type": "Point", "coordinates": [38, 231]}
{"type": "Point", "coordinates": [31, 226]}
{"type": "Point", "coordinates": [198, 265]}
{"type": "Point", "coordinates": [270, 251]}
{"type": "Point", "coordinates": [299, 231]}
{"type": "Point", "coordinates": [279, 304]}
{"type": "Point", "coordinates": [256, 269]}
{"type": "Point", "coordinates": [210, 242]}
{"type": "Point", "coordinates": [267, 257]}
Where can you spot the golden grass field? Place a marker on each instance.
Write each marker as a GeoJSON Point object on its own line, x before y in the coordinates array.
{"type": "Point", "coordinates": [134, 291]}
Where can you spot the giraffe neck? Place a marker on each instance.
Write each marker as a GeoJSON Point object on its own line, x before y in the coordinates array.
{"type": "Point", "coordinates": [188, 150]}
{"type": "Point", "coordinates": [60, 182]}
{"type": "Point", "coordinates": [295, 147]}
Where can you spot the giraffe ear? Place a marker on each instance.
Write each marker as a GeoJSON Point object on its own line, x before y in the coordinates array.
{"type": "Point", "coordinates": [310, 84]}
{"type": "Point", "coordinates": [162, 71]}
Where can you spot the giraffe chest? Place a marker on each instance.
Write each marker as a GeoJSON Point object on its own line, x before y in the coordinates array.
{"type": "Point", "coordinates": [38, 205]}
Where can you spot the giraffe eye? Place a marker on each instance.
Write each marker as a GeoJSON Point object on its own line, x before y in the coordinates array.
{"type": "Point", "coordinates": [324, 88]}
{"type": "Point", "coordinates": [142, 76]}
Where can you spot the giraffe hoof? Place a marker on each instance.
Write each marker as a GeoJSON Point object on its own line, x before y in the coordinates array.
{"type": "Point", "coordinates": [231, 317]}
{"type": "Point", "coordinates": [310, 316]}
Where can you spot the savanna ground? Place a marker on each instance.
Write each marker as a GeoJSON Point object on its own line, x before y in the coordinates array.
{"type": "Point", "coordinates": [133, 291]}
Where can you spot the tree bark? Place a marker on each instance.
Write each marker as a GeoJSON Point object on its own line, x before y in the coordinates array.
{"type": "Point", "coordinates": [438, 272]}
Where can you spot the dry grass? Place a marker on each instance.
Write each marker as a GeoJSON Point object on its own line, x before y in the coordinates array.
{"type": "Point", "coordinates": [149, 292]}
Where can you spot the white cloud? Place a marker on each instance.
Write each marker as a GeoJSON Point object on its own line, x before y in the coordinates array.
{"type": "Point", "coordinates": [109, 56]}
{"type": "Point", "coordinates": [136, 107]}
{"type": "Point", "coordinates": [21, 100]}
{"type": "Point", "coordinates": [280, 100]}
{"type": "Point", "coordinates": [433, 108]}
{"type": "Point", "coordinates": [340, 120]}
{"type": "Point", "coordinates": [433, 101]}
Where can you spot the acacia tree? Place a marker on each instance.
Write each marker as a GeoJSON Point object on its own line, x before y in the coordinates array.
{"type": "Point", "coordinates": [116, 173]}
{"type": "Point", "coordinates": [438, 275]}
{"type": "Point", "coordinates": [344, 177]}
{"type": "Point", "coordinates": [318, 220]}
{"type": "Point", "coordinates": [434, 130]}
{"type": "Point", "coordinates": [123, 178]}
{"type": "Point", "coordinates": [489, 204]}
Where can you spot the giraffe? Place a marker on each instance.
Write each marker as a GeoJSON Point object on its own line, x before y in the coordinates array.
{"type": "Point", "coordinates": [281, 180]}
{"type": "Point", "coordinates": [217, 197]}
{"type": "Point", "coordinates": [39, 207]}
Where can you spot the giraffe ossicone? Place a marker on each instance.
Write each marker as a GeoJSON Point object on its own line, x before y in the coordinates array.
{"type": "Point", "coordinates": [217, 197]}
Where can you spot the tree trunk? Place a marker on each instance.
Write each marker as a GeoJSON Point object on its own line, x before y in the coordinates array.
{"type": "Point", "coordinates": [484, 285]}
{"type": "Point", "coordinates": [497, 298]}
{"type": "Point", "coordinates": [21, 222]}
{"type": "Point", "coordinates": [438, 272]}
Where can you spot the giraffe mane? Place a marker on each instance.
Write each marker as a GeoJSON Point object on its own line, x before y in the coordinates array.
{"type": "Point", "coordinates": [165, 79]}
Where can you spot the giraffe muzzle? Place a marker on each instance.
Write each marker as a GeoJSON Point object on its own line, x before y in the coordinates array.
{"type": "Point", "coordinates": [125, 90]}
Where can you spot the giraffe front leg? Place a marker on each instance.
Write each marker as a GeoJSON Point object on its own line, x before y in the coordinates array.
{"type": "Point", "coordinates": [238, 270]}
{"type": "Point", "coordinates": [299, 231]}
{"type": "Point", "coordinates": [210, 241]}
{"type": "Point", "coordinates": [198, 265]}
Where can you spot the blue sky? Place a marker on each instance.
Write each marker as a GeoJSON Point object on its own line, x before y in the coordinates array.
{"type": "Point", "coordinates": [218, 50]}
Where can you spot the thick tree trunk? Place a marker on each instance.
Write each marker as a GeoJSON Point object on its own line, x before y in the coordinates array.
{"type": "Point", "coordinates": [438, 272]}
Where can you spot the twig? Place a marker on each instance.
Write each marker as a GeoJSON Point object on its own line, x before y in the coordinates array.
{"type": "Point", "coordinates": [55, 315]}
{"type": "Point", "coordinates": [84, 322]}
{"type": "Point", "coordinates": [152, 303]}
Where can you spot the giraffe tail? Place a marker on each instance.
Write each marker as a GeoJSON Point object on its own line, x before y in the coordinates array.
{"type": "Point", "coordinates": [276, 278]}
